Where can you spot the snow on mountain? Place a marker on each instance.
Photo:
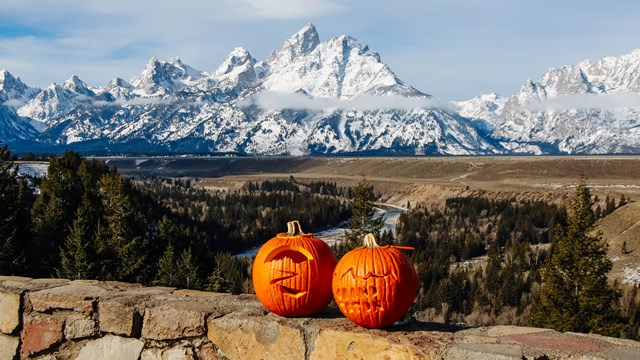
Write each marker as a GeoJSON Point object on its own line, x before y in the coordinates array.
{"type": "Point", "coordinates": [13, 128]}
{"type": "Point", "coordinates": [239, 73]}
{"type": "Point", "coordinates": [485, 108]}
{"type": "Point", "coordinates": [614, 73]}
{"type": "Point", "coordinates": [55, 101]}
{"type": "Point", "coordinates": [340, 68]}
{"type": "Point", "coordinates": [585, 108]}
{"type": "Point", "coordinates": [13, 92]}
{"type": "Point", "coordinates": [119, 89]}
{"type": "Point", "coordinates": [161, 77]}
{"type": "Point", "coordinates": [78, 86]}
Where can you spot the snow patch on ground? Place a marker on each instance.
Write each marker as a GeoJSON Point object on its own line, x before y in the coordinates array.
{"type": "Point", "coordinates": [631, 275]}
{"type": "Point", "coordinates": [33, 169]}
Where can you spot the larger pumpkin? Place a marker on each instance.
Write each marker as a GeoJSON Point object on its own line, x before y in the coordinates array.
{"type": "Point", "coordinates": [292, 273]}
{"type": "Point", "coordinates": [374, 285]}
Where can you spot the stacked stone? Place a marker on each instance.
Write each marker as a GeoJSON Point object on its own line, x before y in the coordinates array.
{"type": "Point", "coordinates": [62, 319]}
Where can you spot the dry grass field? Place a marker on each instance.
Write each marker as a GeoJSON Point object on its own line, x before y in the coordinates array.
{"type": "Point", "coordinates": [431, 180]}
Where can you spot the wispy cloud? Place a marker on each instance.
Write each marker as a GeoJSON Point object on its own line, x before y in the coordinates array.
{"type": "Point", "coordinates": [611, 101]}
{"type": "Point", "coordinates": [278, 101]}
{"type": "Point", "coordinates": [288, 9]}
{"type": "Point", "coordinates": [14, 103]}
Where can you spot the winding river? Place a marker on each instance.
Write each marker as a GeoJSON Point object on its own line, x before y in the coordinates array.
{"type": "Point", "coordinates": [390, 212]}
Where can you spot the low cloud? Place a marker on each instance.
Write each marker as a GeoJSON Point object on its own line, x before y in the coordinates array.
{"type": "Point", "coordinates": [14, 103]}
{"type": "Point", "coordinates": [611, 101]}
{"type": "Point", "coordinates": [278, 101]}
{"type": "Point", "coordinates": [141, 101]}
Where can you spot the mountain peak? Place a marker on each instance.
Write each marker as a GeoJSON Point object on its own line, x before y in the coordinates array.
{"type": "Point", "coordinates": [8, 80]}
{"type": "Point", "coordinates": [4, 74]}
{"type": "Point", "coordinates": [305, 40]}
{"type": "Point", "coordinates": [118, 82]}
{"type": "Point", "coordinates": [301, 43]}
{"type": "Point", "coordinates": [160, 77]}
{"type": "Point", "coordinates": [237, 57]}
{"type": "Point", "coordinates": [76, 85]}
{"type": "Point", "coordinates": [12, 88]}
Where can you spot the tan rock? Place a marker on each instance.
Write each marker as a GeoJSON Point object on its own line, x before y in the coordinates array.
{"type": "Point", "coordinates": [50, 281]}
{"type": "Point", "coordinates": [80, 298]}
{"type": "Point", "coordinates": [10, 312]}
{"type": "Point", "coordinates": [8, 347]}
{"type": "Point", "coordinates": [483, 352]}
{"type": "Point", "coordinates": [176, 320]}
{"type": "Point", "coordinates": [40, 332]}
{"type": "Point", "coordinates": [120, 316]}
{"type": "Point", "coordinates": [4, 278]}
{"type": "Point", "coordinates": [174, 353]}
{"type": "Point", "coordinates": [255, 338]}
{"type": "Point", "coordinates": [111, 347]}
{"type": "Point", "coordinates": [207, 351]}
{"type": "Point", "coordinates": [504, 330]}
{"type": "Point", "coordinates": [77, 326]}
{"type": "Point", "coordinates": [21, 284]}
{"type": "Point", "coordinates": [336, 344]}
{"type": "Point", "coordinates": [198, 294]}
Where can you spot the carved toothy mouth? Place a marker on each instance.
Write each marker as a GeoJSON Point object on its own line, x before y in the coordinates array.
{"type": "Point", "coordinates": [369, 275]}
{"type": "Point", "coordinates": [291, 292]}
{"type": "Point", "coordinates": [285, 289]}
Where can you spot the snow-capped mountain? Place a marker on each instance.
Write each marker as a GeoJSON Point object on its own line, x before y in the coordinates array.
{"type": "Point", "coordinates": [340, 68]}
{"type": "Point", "coordinates": [591, 107]}
{"type": "Point", "coordinates": [171, 107]}
{"type": "Point", "coordinates": [56, 101]}
{"type": "Point", "coordinates": [317, 97]}
{"type": "Point", "coordinates": [13, 92]}
{"type": "Point", "coordinates": [485, 107]}
{"type": "Point", "coordinates": [161, 77]}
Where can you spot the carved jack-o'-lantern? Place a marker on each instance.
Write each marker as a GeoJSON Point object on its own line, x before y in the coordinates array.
{"type": "Point", "coordinates": [374, 285]}
{"type": "Point", "coordinates": [292, 273]}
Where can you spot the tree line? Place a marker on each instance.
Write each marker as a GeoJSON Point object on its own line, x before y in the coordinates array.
{"type": "Point", "coordinates": [84, 220]}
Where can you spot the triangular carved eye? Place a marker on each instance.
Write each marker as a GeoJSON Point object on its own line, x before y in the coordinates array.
{"type": "Point", "coordinates": [295, 253]}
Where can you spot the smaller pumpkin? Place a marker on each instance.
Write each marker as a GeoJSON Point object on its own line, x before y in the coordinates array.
{"type": "Point", "coordinates": [292, 273]}
{"type": "Point", "coordinates": [374, 286]}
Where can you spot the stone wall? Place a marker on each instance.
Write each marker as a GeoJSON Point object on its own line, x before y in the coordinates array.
{"type": "Point", "coordinates": [60, 319]}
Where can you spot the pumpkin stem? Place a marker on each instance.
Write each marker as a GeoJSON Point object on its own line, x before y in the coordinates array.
{"type": "Point", "coordinates": [370, 241]}
{"type": "Point", "coordinates": [294, 228]}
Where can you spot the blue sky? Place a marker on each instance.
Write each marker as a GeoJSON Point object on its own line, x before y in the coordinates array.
{"type": "Point", "coordinates": [452, 49]}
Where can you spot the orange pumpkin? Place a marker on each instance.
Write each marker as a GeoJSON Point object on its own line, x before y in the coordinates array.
{"type": "Point", "coordinates": [374, 285]}
{"type": "Point", "coordinates": [292, 273]}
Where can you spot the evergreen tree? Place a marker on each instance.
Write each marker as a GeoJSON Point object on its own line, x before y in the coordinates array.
{"type": "Point", "coordinates": [575, 295]}
{"type": "Point", "coordinates": [187, 271]}
{"type": "Point", "coordinates": [363, 221]}
{"type": "Point", "coordinates": [217, 282]}
{"type": "Point", "coordinates": [228, 276]}
{"type": "Point", "coordinates": [75, 261]}
{"type": "Point", "coordinates": [53, 212]}
{"type": "Point", "coordinates": [167, 268]}
{"type": "Point", "coordinates": [15, 202]}
{"type": "Point", "coordinates": [121, 234]}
